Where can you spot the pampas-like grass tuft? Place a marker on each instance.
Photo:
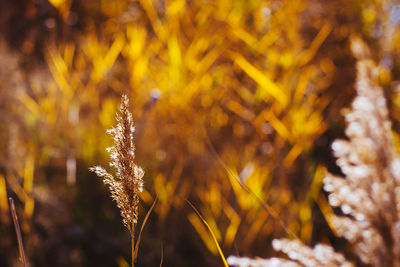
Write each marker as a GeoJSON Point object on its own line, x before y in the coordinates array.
{"type": "Point", "coordinates": [128, 182]}
{"type": "Point", "coordinates": [369, 196]}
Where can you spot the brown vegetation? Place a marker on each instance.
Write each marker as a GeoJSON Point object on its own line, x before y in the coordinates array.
{"type": "Point", "coordinates": [223, 91]}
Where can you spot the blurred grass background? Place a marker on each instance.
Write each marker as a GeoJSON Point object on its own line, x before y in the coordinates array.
{"type": "Point", "coordinates": [258, 85]}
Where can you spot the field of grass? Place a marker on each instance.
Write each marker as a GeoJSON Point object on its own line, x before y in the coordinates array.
{"type": "Point", "coordinates": [234, 109]}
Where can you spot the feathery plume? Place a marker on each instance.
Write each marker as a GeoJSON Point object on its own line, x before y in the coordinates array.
{"type": "Point", "coordinates": [126, 187]}
{"type": "Point", "coordinates": [272, 262]}
{"type": "Point", "coordinates": [299, 255]}
{"type": "Point", "coordinates": [369, 196]}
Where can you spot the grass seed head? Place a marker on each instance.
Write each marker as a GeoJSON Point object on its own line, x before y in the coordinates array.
{"type": "Point", "coordinates": [128, 182]}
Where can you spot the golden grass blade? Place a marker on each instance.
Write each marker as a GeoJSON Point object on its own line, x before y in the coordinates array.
{"type": "Point", "coordinates": [264, 205]}
{"type": "Point", "coordinates": [143, 224]}
{"type": "Point", "coordinates": [17, 231]}
{"type": "Point", "coordinates": [209, 229]}
{"type": "Point", "coordinates": [162, 255]}
{"type": "Point", "coordinates": [308, 54]}
{"type": "Point", "coordinates": [3, 196]}
{"type": "Point", "coordinates": [262, 79]}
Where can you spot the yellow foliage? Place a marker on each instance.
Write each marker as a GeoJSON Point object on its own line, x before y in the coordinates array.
{"type": "Point", "coordinates": [233, 81]}
{"type": "Point", "coordinates": [3, 196]}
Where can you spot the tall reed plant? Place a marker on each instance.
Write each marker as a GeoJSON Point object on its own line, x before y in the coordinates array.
{"type": "Point", "coordinates": [128, 183]}
{"type": "Point", "coordinates": [368, 195]}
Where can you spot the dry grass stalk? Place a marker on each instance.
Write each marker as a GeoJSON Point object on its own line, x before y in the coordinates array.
{"type": "Point", "coordinates": [369, 196]}
{"type": "Point", "coordinates": [17, 231]}
{"type": "Point", "coordinates": [126, 187]}
{"type": "Point", "coordinates": [299, 254]}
